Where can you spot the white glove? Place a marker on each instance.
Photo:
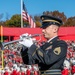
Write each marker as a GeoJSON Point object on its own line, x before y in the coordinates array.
{"type": "Point", "coordinates": [26, 42]}
{"type": "Point", "coordinates": [24, 35]}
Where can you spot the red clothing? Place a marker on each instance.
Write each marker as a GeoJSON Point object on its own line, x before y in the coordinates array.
{"type": "Point", "coordinates": [65, 72]}
{"type": "Point", "coordinates": [73, 69]}
{"type": "Point", "coordinates": [6, 73]}
{"type": "Point", "coordinates": [14, 72]}
{"type": "Point", "coordinates": [18, 73]}
{"type": "Point", "coordinates": [22, 73]}
{"type": "Point", "coordinates": [28, 72]}
{"type": "Point", "coordinates": [36, 73]}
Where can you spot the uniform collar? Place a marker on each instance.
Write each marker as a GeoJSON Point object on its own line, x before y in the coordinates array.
{"type": "Point", "coordinates": [52, 39]}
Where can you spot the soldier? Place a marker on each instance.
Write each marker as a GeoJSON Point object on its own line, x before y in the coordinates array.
{"type": "Point", "coordinates": [50, 56]}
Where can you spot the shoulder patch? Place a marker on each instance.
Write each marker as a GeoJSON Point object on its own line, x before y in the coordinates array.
{"type": "Point", "coordinates": [57, 51]}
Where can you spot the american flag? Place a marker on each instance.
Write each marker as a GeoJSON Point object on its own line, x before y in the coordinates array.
{"type": "Point", "coordinates": [24, 13]}
{"type": "Point", "coordinates": [27, 17]}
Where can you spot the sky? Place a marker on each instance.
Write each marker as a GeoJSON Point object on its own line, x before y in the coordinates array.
{"type": "Point", "coordinates": [37, 7]}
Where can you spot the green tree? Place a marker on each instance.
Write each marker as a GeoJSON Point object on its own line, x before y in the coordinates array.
{"type": "Point", "coordinates": [70, 22]}
{"type": "Point", "coordinates": [58, 14]}
{"type": "Point", "coordinates": [15, 21]}
{"type": "Point", "coordinates": [37, 21]}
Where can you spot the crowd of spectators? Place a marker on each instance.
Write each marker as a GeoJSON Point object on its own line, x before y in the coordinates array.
{"type": "Point", "coordinates": [13, 64]}
{"type": "Point", "coordinates": [69, 63]}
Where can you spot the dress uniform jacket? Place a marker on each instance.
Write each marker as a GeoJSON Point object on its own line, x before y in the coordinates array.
{"type": "Point", "coordinates": [49, 56]}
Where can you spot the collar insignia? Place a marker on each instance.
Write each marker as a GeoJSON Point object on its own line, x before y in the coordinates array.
{"type": "Point", "coordinates": [51, 42]}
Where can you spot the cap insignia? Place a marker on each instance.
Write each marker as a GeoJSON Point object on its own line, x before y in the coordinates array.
{"type": "Point", "coordinates": [42, 18]}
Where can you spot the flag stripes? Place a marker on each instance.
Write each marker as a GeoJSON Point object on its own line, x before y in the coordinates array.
{"type": "Point", "coordinates": [24, 15]}
{"type": "Point", "coordinates": [27, 17]}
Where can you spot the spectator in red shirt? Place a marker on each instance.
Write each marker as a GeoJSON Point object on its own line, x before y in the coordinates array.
{"type": "Point", "coordinates": [73, 69]}
{"type": "Point", "coordinates": [65, 71]}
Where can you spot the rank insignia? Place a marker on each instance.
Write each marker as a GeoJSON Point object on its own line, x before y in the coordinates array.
{"type": "Point", "coordinates": [57, 51]}
{"type": "Point", "coordinates": [50, 47]}
{"type": "Point", "coordinates": [40, 53]}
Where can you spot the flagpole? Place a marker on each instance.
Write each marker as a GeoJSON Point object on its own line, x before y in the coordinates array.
{"type": "Point", "coordinates": [21, 13]}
